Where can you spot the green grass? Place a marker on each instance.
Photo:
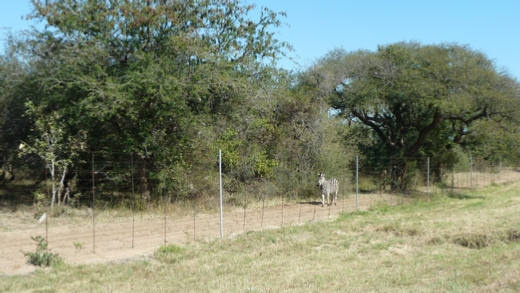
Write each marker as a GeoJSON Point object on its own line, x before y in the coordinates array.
{"type": "Point", "coordinates": [444, 244]}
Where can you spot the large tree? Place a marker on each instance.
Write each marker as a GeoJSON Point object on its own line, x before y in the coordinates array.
{"type": "Point", "coordinates": [148, 77]}
{"type": "Point", "coordinates": [416, 99]}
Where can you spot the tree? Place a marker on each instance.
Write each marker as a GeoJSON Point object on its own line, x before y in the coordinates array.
{"type": "Point", "coordinates": [15, 87]}
{"type": "Point", "coordinates": [416, 99]}
{"type": "Point", "coordinates": [53, 146]}
{"type": "Point", "coordinates": [146, 76]}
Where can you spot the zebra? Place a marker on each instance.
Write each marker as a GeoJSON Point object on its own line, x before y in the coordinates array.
{"type": "Point", "coordinates": [328, 187]}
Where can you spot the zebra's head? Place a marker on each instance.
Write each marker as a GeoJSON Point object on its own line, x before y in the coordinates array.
{"type": "Point", "coordinates": [321, 178]}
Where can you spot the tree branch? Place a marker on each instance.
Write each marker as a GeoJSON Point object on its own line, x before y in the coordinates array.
{"type": "Point", "coordinates": [423, 134]}
{"type": "Point", "coordinates": [369, 121]}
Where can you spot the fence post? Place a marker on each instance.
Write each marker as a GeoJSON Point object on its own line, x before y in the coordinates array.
{"type": "Point", "coordinates": [47, 215]}
{"type": "Point", "coordinates": [344, 190]}
{"type": "Point", "coordinates": [470, 172]}
{"type": "Point", "coordinates": [220, 190]}
{"type": "Point", "coordinates": [165, 212]}
{"type": "Point", "coordinates": [453, 179]}
{"type": "Point", "coordinates": [93, 207]}
{"type": "Point", "coordinates": [500, 172]}
{"type": "Point", "coordinates": [357, 183]}
{"type": "Point", "coordinates": [263, 209]}
{"type": "Point", "coordinates": [428, 177]}
{"type": "Point", "coordinates": [194, 221]}
{"type": "Point", "coordinates": [300, 213]}
{"type": "Point", "coordinates": [244, 227]}
{"type": "Point", "coordinates": [282, 212]}
{"type": "Point", "coordinates": [133, 197]}
{"type": "Point", "coordinates": [329, 209]}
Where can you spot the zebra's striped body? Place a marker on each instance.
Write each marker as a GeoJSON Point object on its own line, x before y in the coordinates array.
{"type": "Point", "coordinates": [328, 187]}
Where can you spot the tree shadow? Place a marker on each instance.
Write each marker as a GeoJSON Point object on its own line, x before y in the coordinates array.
{"type": "Point", "coordinates": [464, 196]}
{"type": "Point", "coordinates": [312, 203]}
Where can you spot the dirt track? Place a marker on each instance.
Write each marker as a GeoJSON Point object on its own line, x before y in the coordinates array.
{"type": "Point", "coordinates": [113, 241]}
{"type": "Point", "coordinates": [123, 239]}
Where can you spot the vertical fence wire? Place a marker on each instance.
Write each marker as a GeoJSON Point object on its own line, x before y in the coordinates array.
{"type": "Point", "coordinates": [263, 210]}
{"type": "Point", "coordinates": [194, 220]}
{"type": "Point", "coordinates": [300, 211]}
{"type": "Point", "coordinates": [47, 215]}
{"type": "Point", "coordinates": [428, 177]}
{"type": "Point", "coordinates": [282, 211]}
{"type": "Point", "coordinates": [344, 193]}
{"type": "Point", "coordinates": [480, 174]}
{"type": "Point", "coordinates": [220, 192]}
{"type": "Point", "coordinates": [165, 212]}
{"type": "Point", "coordinates": [244, 226]}
{"type": "Point", "coordinates": [163, 201]}
{"type": "Point", "coordinates": [93, 206]}
{"type": "Point", "coordinates": [500, 172]}
{"type": "Point", "coordinates": [357, 183]}
{"type": "Point", "coordinates": [471, 172]}
{"type": "Point", "coordinates": [133, 196]}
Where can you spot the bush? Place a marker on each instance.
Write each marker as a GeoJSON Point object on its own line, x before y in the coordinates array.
{"type": "Point", "coordinates": [170, 253]}
{"type": "Point", "coordinates": [42, 256]}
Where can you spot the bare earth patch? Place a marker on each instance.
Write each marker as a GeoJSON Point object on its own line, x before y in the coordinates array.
{"type": "Point", "coordinates": [125, 238]}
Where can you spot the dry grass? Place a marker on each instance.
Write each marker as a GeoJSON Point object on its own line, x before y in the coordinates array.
{"type": "Point", "coordinates": [24, 217]}
{"type": "Point", "coordinates": [21, 217]}
{"type": "Point", "coordinates": [466, 242]}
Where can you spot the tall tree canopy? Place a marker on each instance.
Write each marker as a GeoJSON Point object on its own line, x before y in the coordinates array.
{"type": "Point", "coordinates": [170, 81]}
{"type": "Point", "coordinates": [140, 70]}
{"type": "Point", "coordinates": [417, 99]}
{"type": "Point", "coordinates": [149, 77]}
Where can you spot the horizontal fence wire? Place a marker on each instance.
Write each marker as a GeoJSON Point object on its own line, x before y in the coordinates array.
{"type": "Point", "coordinates": [115, 207]}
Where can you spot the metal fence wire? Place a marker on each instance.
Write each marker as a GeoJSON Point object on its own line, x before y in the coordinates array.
{"type": "Point", "coordinates": [118, 202]}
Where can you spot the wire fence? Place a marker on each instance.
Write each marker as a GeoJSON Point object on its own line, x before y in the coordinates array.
{"type": "Point", "coordinates": [113, 208]}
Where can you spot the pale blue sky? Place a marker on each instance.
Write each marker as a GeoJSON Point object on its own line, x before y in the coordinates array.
{"type": "Point", "coordinates": [316, 27]}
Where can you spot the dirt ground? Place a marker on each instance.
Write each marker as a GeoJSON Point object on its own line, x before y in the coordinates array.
{"type": "Point", "coordinates": [131, 238]}
{"type": "Point", "coordinates": [86, 240]}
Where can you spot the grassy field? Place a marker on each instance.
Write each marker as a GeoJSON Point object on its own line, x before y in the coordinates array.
{"type": "Point", "coordinates": [465, 242]}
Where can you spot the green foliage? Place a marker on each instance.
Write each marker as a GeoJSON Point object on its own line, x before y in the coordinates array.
{"type": "Point", "coordinates": [42, 257]}
{"type": "Point", "coordinates": [170, 83]}
{"type": "Point", "coordinates": [170, 253]}
{"type": "Point", "coordinates": [41, 202]}
{"type": "Point", "coordinates": [414, 101]}
{"type": "Point", "coordinates": [229, 144]}
{"type": "Point", "coordinates": [172, 248]}
{"type": "Point", "coordinates": [263, 166]}
{"type": "Point", "coordinates": [164, 80]}
{"type": "Point", "coordinates": [493, 141]}
{"type": "Point", "coordinates": [52, 144]}
{"type": "Point", "coordinates": [78, 245]}
{"type": "Point", "coordinates": [14, 125]}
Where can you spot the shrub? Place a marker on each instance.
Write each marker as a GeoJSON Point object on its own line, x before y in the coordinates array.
{"type": "Point", "coordinates": [42, 256]}
{"type": "Point", "coordinates": [170, 253]}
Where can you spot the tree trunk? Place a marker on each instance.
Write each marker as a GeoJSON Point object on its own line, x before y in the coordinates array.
{"type": "Point", "coordinates": [62, 185]}
{"type": "Point", "coordinates": [438, 172]}
{"type": "Point", "coordinates": [144, 185]}
{"type": "Point", "coordinates": [398, 181]}
{"type": "Point", "coordinates": [53, 184]}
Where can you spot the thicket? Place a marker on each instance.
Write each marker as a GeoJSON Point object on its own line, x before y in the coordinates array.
{"type": "Point", "coordinates": [142, 94]}
{"type": "Point", "coordinates": [165, 85]}
{"type": "Point", "coordinates": [42, 257]}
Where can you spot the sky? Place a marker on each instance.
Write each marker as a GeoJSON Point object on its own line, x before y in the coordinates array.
{"type": "Point", "coordinates": [317, 27]}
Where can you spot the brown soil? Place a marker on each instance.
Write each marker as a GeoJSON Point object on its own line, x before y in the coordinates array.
{"type": "Point", "coordinates": [133, 239]}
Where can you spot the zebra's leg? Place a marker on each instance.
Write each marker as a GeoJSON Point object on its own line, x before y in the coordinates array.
{"type": "Point", "coordinates": [322, 199]}
{"type": "Point", "coordinates": [335, 197]}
